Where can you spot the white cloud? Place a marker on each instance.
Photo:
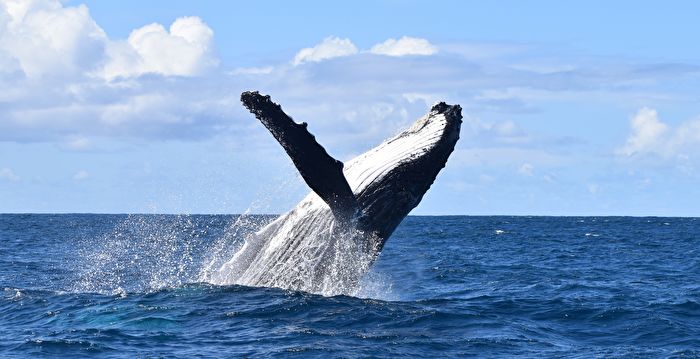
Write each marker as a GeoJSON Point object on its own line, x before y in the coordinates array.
{"type": "Point", "coordinates": [9, 175]}
{"type": "Point", "coordinates": [43, 38]}
{"type": "Point", "coordinates": [687, 134]}
{"type": "Point", "coordinates": [650, 135]}
{"type": "Point", "coordinates": [364, 98]}
{"type": "Point", "coordinates": [54, 61]}
{"type": "Point", "coordinates": [185, 50]}
{"type": "Point", "coordinates": [330, 47]}
{"type": "Point", "coordinates": [647, 133]}
{"type": "Point", "coordinates": [404, 46]}
{"type": "Point", "coordinates": [40, 38]}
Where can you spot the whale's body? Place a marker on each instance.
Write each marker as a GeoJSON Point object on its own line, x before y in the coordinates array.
{"type": "Point", "coordinates": [327, 242]}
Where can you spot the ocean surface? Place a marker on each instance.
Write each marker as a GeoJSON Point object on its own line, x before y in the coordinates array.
{"type": "Point", "coordinates": [127, 286]}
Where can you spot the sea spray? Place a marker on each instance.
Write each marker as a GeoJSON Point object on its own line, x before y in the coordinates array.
{"type": "Point", "coordinates": [144, 253]}
{"type": "Point", "coordinates": [328, 260]}
{"type": "Point", "coordinates": [225, 247]}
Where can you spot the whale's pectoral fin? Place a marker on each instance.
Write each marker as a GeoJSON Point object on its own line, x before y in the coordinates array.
{"type": "Point", "coordinates": [323, 173]}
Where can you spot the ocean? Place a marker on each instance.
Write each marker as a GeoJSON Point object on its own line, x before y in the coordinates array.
{"type": "Point", "coordinates": [131, 286]}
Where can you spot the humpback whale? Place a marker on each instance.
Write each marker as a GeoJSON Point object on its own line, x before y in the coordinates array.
{"type": "Point", "coordinates": [328, 241]}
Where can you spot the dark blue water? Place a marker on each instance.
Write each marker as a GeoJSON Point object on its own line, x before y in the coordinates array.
{"type": "Point", "coordinates": [128, 286]}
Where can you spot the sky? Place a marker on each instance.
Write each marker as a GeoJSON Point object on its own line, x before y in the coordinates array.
{"type": "Point", "coordinates": [570, 108]}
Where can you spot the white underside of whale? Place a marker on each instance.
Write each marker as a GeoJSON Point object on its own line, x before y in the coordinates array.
{"type": "Point", "coordinates": [302, 249]}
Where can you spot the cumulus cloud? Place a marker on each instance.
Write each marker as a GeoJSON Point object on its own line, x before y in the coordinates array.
{"type": "Point", "coordinates": [651, 136]}
{"type": "Point", "coordinates": [58, 70]}
{"type": "Point", "coordinates": [39, 38]}
{"type": "Point", "coordinates": [404, 46]}
{"type": "Point", "coordinates": [8, 175]}
{"type": "Point", "coordinates": [330, 47]}
{"type": "Point", "coordinates": [162, 82]}
{"type": "Point", "coordinates": [647, 133]}
{"type": "Point", "coordinates": [185, 49]}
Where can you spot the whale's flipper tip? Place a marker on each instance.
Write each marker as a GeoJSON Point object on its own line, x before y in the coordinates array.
{"type": "Point", "coordinates": [323, 173]}
{"type": "Point", "coordinates": [252, 99]}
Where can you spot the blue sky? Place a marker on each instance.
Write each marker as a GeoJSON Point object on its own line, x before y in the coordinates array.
{"type": "Point", "coordinates": [588, 108]}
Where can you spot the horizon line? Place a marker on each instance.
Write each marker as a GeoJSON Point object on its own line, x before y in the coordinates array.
{"type": "Point", "coordinates": [410, 215]}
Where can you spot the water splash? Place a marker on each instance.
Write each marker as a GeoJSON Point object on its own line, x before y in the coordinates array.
{"type": "Point", "coordinates": [322, 259]}
{"type": "Point", "coordinates": [145, 253]}
{"type": "Point", "coordinates": [142, 253]}
{"type": "Point", "coordinates": [225, 247]}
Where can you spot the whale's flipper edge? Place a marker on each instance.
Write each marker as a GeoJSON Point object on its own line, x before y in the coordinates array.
{"type": "Point", "coordinates": [321, 172]}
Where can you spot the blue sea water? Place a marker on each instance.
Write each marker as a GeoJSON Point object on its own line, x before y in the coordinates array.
{"type": "Point", "coordinates": [125, 286]}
